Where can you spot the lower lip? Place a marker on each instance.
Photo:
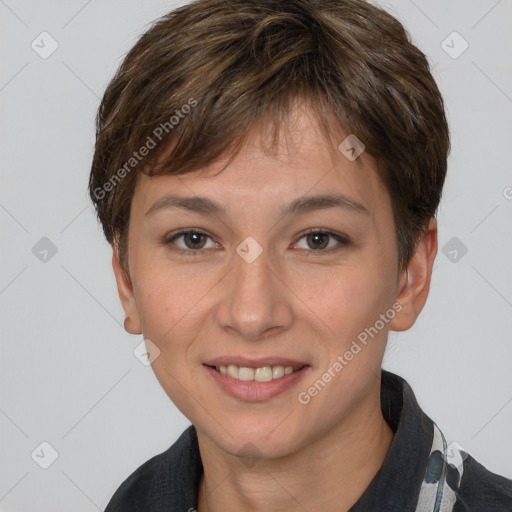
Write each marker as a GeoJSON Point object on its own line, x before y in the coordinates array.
{"type": "Point", "coordinates": [253, 390]}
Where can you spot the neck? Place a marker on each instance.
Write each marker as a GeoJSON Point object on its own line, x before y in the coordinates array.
{"type": "Point", "coordinates": [329, 474]}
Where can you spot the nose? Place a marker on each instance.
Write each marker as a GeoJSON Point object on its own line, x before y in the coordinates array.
{"type": "Point", "coordinates": [255, 302]}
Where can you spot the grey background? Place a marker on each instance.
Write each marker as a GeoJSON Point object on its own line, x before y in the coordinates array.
{"type": "Point", "coordinates": [68, 373]}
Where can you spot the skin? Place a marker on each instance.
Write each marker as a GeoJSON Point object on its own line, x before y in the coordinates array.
{"type": "Point", "coordinates": [295, 300]}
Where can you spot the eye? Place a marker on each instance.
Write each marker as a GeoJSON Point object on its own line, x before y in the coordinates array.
{"type": "Point", "coordinates": [194, 241]}
{"type": "Point", "coordinates": [318, 240]}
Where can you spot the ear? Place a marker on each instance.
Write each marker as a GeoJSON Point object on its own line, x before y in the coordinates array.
{"type": "Point", "coordinates": [414, 283]}
{"type": "Point", "coordinates": [125, 289]}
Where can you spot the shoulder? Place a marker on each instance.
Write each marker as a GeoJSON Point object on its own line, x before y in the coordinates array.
{"type": "Point", "coordinates": [133, 494]}
{"type": "Point", "coordinates": [167, 480]}
{"type": "Point", "coordinates": [480, 490]}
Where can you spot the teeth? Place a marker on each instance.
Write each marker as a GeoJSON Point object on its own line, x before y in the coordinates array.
{"type": "Point", "coordinates": [245, 374]}
{"type": "Point", "coordinates": [261, 374]}
{"type": "Point", "coordinates": [277, 371]}
{"type": "Point", "coordinates": [232, 371]}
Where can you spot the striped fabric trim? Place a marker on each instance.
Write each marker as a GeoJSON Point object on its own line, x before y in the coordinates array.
{"type": "Point", "coordinates": [444, 472]}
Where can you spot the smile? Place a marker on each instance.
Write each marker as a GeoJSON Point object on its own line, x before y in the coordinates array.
{"type": "Point", "coordinates": [255, 380]}
{"type": "Point", "coordinates": [260, 374]}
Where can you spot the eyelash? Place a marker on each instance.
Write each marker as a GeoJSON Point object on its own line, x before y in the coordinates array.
{"type": "Point", "coordinates": [342, 239]}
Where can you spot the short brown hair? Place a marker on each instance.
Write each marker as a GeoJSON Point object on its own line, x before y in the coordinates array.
{"type": "Point", "coordinates": [206, 73]}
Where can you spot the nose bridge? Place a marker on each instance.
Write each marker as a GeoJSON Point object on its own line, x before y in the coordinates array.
{"type": "Point", "coordinates": [254, 301]}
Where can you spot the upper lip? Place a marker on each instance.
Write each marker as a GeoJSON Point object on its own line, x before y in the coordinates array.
{"type": "Point", "coordinates": [254, 362]}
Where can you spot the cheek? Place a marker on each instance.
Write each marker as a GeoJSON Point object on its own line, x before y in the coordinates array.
{"type": "Point", "coordinates": [354, 347]}
{"type": "Point", "coordinates": [169, 305]}
{"type": "Point", "coordinates": [351, 299]}
{"type": "Point", "coordinates": [167, 296]}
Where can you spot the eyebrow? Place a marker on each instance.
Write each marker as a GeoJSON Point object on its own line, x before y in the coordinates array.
{"type": "Point", "coordinates": [298, 206]}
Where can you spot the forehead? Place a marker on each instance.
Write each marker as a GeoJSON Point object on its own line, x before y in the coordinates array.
{"type": "Point", "coordinates": [302, 164]}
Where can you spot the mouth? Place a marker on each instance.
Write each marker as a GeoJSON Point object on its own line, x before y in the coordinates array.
{"type": "Point", "coordinates": [251, 380]}
{"type": "Point", "coordinates": [264, 373]}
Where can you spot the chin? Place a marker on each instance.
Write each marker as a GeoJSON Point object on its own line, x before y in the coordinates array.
{"type": "Point", "coordinates": [271, 438]}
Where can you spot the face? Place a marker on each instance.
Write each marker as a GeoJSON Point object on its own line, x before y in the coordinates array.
{"type": "Point", "coordinates": [264, 275]}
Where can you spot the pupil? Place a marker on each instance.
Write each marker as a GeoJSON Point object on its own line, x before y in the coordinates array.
{"type": "Point", "coordinates": [193, 239]}
{"type": "Point", "coordinates": [316, 238]}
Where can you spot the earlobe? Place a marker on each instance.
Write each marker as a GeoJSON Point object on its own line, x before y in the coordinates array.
{"type": "Point", "coordinates": [414, 283]}
{"type": "Point", "coordinates": [125, 290]}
